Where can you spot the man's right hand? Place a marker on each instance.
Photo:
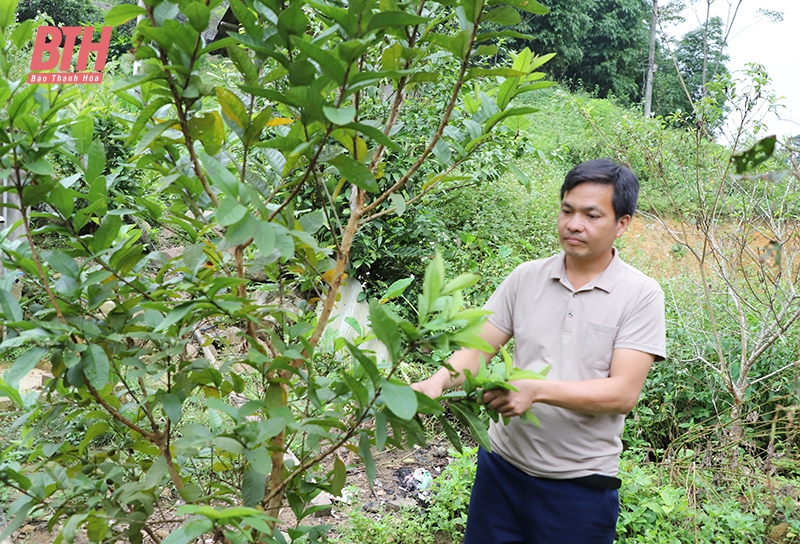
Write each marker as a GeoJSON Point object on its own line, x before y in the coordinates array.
{"type": "Point", "coordinates": [431, 387]}
{"type": "Point", "coordinates": [460, 360]}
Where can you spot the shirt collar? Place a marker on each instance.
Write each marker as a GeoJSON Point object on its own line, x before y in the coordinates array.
{"type": "Point", "coordinates": [606, 281]}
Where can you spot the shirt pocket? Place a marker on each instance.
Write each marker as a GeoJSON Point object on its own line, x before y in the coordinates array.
{"type": "Point", "coordinates": [598, 346]}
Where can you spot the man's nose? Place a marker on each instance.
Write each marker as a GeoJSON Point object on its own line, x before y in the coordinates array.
{"type": "Point", "coordinates": [575, 223]}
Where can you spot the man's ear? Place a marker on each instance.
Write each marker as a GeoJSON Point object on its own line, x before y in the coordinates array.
{"type": "Point", "coordinates": [622, 224]}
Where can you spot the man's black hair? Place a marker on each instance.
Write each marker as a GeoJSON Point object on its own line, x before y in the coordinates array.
{"type": "Point", "coordinates": [624, 182]}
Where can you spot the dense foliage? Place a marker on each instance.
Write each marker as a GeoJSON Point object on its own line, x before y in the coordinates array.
{"type": "Point", "coordinates": [63, 12]}
{"type": "Point", "coordinates": [268, 166]}
{"type": "Point", "coordinates": [333, 144]}
{"type": "Point", "coordinates": [700, 59]}
{"type": "Point", "coordinates": [601, 45]}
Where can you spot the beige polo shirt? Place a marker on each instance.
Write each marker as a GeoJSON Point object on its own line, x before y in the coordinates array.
{"type": "Point", "coordinates": [575, 332]}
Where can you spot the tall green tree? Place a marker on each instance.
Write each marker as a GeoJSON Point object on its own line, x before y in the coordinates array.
{"type": "Point", "coordinates": [700, 51]}
{"type": "Point", "coordinates": [601, 45]}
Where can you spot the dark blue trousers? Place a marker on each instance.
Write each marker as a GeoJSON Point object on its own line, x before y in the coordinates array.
{"type": "Point", "coordinates": [509, 506]}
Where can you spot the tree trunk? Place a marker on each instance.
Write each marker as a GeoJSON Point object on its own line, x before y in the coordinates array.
{"type": "Point", "coordinates": [651, 63]}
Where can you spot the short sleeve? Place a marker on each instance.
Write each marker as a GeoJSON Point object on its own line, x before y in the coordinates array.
{"type": "Point", "coordinates": [644, 327]}
{"type": "Point", "coordinates": [502, 302]}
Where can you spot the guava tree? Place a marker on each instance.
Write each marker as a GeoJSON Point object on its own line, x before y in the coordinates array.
{"type": "Point", "coordinates": [268, 169]}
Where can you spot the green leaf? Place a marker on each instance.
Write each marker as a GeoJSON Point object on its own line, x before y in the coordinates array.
{"type": "Point", "coordinates": [82, 131]}
{"type": "Point", "coordinates": [171, 404]}
{"type": "Point", "coordinates": [432, 285]}
{"type": "Point", "coordinates": [122, 13]}
{"type": "Point", "coordinates": [529, 416]}
{"type": "Point", "coordinates": [400, 399]}
{"type": "Point", "coordinates": [340, 116]}
{"type": "Point", "coordinates": [375, 134]}
{"type": "Point", "coordinates": [490, 36]}
{"type": "Point", "coordinates": [241, 59]}
{"type": "Point", "coordinates": [391, 57]}
{"type": "Point", "coordinates": [220, 176]}
{"type": "Point", "coordinates": [395, 19]}
{"type": "Point", "coordinates": [104, 236]}
{"type": "Point", "coordinates": [24, 364]}
{"type": "Point", "coordinates": [185, 534]}
{"type": "Point", "coordinates": [253, 132]}
{"type": "Point", "coordinates": [476, 427]}
{"type": "Point", "coordinates": [503, 15]}
{"type": "Point", "coordinates": [530, 6]}
{"type": "Point", "coordinates": [756, 155]}
{"type": "Point", "coordinates": [12, 311]}
{"type": "Point", "coordinates": [63, 200]}
{"type": "Point", "coordinates": [493, 72]}
{"type": "Point", "coordinates": [265, 238]}
{"type": "Point", "coordinates": [144, 116]}
{"type": "Point", "coordinates": [385, 329]}
{"type": "Point", "coordinates": [245, 16]}
{"type": "Point", "coordinates": [198, 14]}
{"type": "Point", "coordinates": [365, 453]}
{"type": "Point", "coordinates": [339, 476]}
{"type": "Point", "coordinates": [228, 444]}
{"type": "Point", "coordinates": [302, 72]}
{"type": "Point", "coordinates": [96, 161]}
{"type": "Point", "coordinates": [8, 10]}
{"type": "Point", "coordinates": [40, 168]}
{"type": "Point", "coordinates": [396, 289]}
{"type": "Point", "coordinates": [460, 282]}
{"type": "Point", "coordinates": [380, 429]}
{"type": "Point", "coordinates": [156, 473]}
{"type": "Point", "coordinates": [499, 116]}
{"type": "Point", "coordinates": [21, 34]}
{"type": "Point", "coordinates": [152, 135]}
{"type": "Point", "coordinates": [95, 366]}
{"type": "Point", "coordinates": [11, 393]}
{"type": "Point", "coordinates": [486, 50]}
{"type": "Point", "coordinates": [97, 429]}
{"type": "Point", "coordinates": [239, 233]}
{"type": "Point", "coordinates": [328, 63]}
{"type": "Point", "coordinates": [253, 488]}
{"type": "Point", "coordinates": [355, 172]}
{"type": "Point", "coordinates": [175, 315]}
{"type": "Point", "coordinates": [367, 362]}
{"type": "Point", "coordinates": [230, 212]}
{"type": "Point", "coordinates": [451, 433]}
{"type": "Point", "coordinates": [456, 45]}
{"type": "Point", "coordinates": [360, 392]}
{"type": "Point", "coordinates": [62, 263]}
{"type": "Point", "coordinates": [260, 460]}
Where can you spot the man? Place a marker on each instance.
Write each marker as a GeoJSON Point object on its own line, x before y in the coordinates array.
{"type": "Point", "coordinates": [599, 323]}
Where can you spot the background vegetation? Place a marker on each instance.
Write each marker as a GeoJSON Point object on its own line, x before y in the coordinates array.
{"type": "Point", "coordinates": [328, 144]}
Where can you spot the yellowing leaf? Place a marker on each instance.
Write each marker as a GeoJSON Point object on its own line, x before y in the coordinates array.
{"type": "Point", "coordinates": [279, 121]}
{"type": "Point", "coordinates": [361, 147]}
{"type": "Point", "coordinates": [329, 275]}
{"type": "Point", "coordinates": [211, 392]}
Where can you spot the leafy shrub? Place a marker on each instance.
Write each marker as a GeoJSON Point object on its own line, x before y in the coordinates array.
{"type": "Point", "coordinates": [63, 12]}
{"type": "Point", "coordinates": [653, 510]}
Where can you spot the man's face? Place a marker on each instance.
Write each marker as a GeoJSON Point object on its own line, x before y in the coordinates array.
{"type": "Point", "coordinates": [586, 224]}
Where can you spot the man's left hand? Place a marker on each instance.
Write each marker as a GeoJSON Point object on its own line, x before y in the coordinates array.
{"type": "Point", "coordinates": [512, 403]}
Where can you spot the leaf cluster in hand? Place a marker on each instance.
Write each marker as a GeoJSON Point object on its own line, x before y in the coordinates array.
{"type": "Point", "coordinates": [498, 375]}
